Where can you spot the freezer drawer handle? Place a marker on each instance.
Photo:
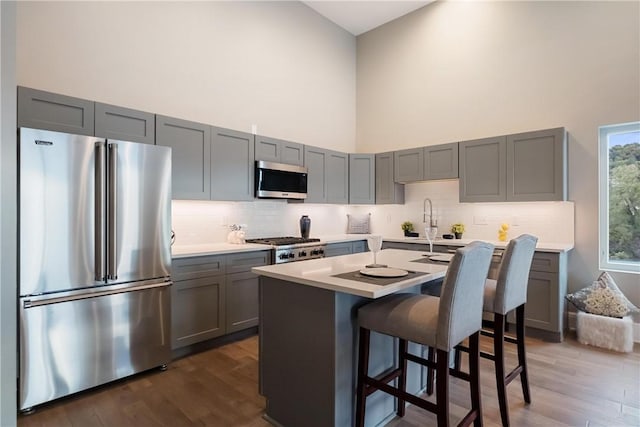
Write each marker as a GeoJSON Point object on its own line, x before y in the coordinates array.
{"type": "Point", "coordinates": [55, 300]}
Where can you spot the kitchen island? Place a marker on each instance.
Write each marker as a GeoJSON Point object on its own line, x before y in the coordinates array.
{"type": "Point", "coordinates": [309, 334]}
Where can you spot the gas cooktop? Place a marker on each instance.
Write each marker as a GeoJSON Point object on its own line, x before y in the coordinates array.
{"type": "Point", "coordinates": [281, 241]}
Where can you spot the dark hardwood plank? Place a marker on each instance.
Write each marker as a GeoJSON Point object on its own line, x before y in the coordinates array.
{"type": "Point", "coordinates": [571, 385]}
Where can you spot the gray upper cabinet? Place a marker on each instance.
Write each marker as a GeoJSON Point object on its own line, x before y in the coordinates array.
{"type": "Point", "coordinates": [337, 176]}
{"type": "Point", "coordinates": [124, 124]}
{"type": "Point", "coordinates": [483, 172]}
{"type": "Point", "coordinates": [536, 164]}
{"type": "Point", "coordinates": [232, 165]}
{"type": "Point", "coordinates": [529, 166]}
{"type": "Point", "coordinates": [387, 190]}
{"type": "Point", "coordinates": [51, 111]}
{"type": "Point", "coordinates": [362, 176]}
{"type": "Point", "coordinates": [441, 161]}
{"type": "Point", "coordinates": [190, 164]}
{"type": "Point", "coordinates": [279, 151]}
{"type": "Point", "coordinates": [409, 165]}
{"type": "Point", "coordinates": [315, 160]}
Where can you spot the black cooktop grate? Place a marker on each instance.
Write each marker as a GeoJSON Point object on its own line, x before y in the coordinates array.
{"type": "Point", "coordinates": [281, 241]}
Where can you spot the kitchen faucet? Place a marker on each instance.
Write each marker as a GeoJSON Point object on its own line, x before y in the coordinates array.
{"type": "Point", "coordinates": [432, 222]}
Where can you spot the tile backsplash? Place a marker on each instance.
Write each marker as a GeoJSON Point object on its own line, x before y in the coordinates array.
{"type": "Point", "coordinates": [197, 222]}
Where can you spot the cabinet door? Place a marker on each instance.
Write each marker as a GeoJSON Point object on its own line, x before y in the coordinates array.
{"type": "Point", "coordinates": [243, 262]}
{"type": "Point", "coordinates": [360, 246]}
{"type": "Point", "coordinates": [198, 266]}
{"type": "Point", "coordinates": [268, 149]}
{"type": "Point", "coordinates": [409, 165]}
{"type": "Point", "coordinates": [336, 249]}
{"type": "Point", "coordinates": [387, 190]}
{"type": "Point", "coordinates": [315, 160]}
{"type": "Point", "coordinates": [362, 179]}
{"type": "Point", "coordinates": [197, 310]}
{"type": "Point", "coordinates": [190, 156]}
{"type": "Point", "coordinates": [292, 153]}
{"type": "Point", "coordinates": [337, 176]}
{"type": "Point", "coordinates": [232, 165]}
{"type": "Point", "coordinates": [242, 294]}
{"type": "Point", "coordinates": [483, 170]}
{"type": "Point", "coordinates": [536, 166]}
{"type": "Point", "coordinates": [45, 110]}
{"type": "Point", "coordinates": [542, 308]}
{"type": "Point", "coordinates": [441, 161]}
{"type": "Point", "coordinates": [124, 124]}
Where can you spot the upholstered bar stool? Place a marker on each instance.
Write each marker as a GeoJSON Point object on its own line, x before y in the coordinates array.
{"type": "Point", "coordinates": [501, 296]}
{"type": "Point", "coordinates": [440, 323]}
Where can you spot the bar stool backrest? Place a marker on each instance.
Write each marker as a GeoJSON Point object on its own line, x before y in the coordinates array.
{"type": "Point", "coordinates": [460, 308]}
{"type": "Point", "coordinates": [513, 276]}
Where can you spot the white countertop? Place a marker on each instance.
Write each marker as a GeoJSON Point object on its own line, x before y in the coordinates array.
{"type": "Point", "coordinates": [318, 272]}
{"type": "Point", "coordinates": [540, 247]}
{"type": "Point", "coordinates": [184, 251]}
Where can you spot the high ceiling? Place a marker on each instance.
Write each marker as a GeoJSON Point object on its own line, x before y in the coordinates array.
{"type": "Point", "coordinates": [358, 17]}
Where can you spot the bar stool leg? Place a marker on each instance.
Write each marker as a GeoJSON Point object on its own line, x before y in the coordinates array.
{"type": "Point", "coordinates": [442, 387]}
{"type": "Point", "coordinates": [474, 373]}
{"type": "Point", "coordinates": [430, 371]}
{"type": "Point", "coordinates": [363, 370]}
{"type": "Point", "coordinates": [403, 347]}
{"type": "Point", "coordinates": [522, 356]}
{"type": "Point", "coordinates": [498, 351]}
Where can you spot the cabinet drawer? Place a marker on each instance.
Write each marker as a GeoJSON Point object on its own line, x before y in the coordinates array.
{"type": "Point", "coordinates": [360, 246]}
{"type": "Point", "coordinates": [196, 267]}
{"type": "Point", "coordinates": [241, 262]}
{"type": "Point", "coordinates": [546, 262]}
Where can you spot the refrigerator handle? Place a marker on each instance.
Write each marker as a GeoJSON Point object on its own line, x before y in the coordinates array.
{"type": "Point", "coordinates": [100, 195]}
{"type": "Point", "coordinates": [112, 226]}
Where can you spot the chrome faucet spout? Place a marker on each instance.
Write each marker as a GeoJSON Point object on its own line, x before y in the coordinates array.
{"type": "Point", "coordinates": [432, 222]}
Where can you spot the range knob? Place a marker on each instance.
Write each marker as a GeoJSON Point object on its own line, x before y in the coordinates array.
{"type": "Point", "coordinates": [302, 253]}
{"type": "Point", "coordinates": [321, 251]}
{"type": "Point", "coordinates": [283, 256]}
{"type": "Point", "coordinates": [292, 255]}
{"type": "Point", "coordinates": [314, 252]}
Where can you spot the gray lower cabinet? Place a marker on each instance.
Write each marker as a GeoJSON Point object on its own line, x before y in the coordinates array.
{"type": "Point", "coordinates": [190, 144]}
{"type": "Point", "coordinates": [279, 151]}
{"type": "Point", "coordinates": [362, 176]}
{"type": "Point", "coordinates": [536, 164]}
{"type": "Point", "coordinates": [387, 190]}
{"type": "Point", "coordinates": [441, 161]}
{"type": "Point", "coordinates": [124, 124]}
{"type": "Point", "coordinates": [214, 295]}
{"type": "Point", "coordinates": [232, 165]}
{"type": "Point", "coordinates": [529, 166]}
{"type": "Point", "coordinates": [345, 248]}
{"type": "Point", "coordinates": [51, 111]}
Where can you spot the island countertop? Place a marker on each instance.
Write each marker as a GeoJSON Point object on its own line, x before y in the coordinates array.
{"type": "Point", "coordinates": [320, 273]}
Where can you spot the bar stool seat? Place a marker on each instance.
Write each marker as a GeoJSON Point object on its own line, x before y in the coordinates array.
{"type": "Point", "coordinates": [439, 323]}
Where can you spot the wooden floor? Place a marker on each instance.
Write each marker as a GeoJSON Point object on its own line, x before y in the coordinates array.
{"type": "Point", "coordinates": [571, 385]}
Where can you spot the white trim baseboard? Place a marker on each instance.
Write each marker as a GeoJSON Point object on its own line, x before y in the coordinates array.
{"type": "Point", "coordinates": [572, 316]}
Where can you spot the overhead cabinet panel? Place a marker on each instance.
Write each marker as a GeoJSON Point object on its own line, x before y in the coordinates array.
{"type": "Point", "coordinates": [362, 179]}
{"type": "Point", "coordinates": [232, 165]}
{"type": "Point", "coordinates": [51, 111]}
{"type": "Point", "coordinates": [337, 176]}
{"type": "Point", "coordinates": [409, 165]}
{"type": "Point", "coordinates": [441, 161]}
{"type": "Point", "coordinates": [483, 170]}
{"type": "Point", "coordinates": [536, 163]}
{"type": "Point", "coordinates": [124, 124]}
{"type": "Point", "coordinates": [387, 190]}
{"type": "Point", "coordinates": [190, 156]}
{"type": "Point", "coordinates": [279, 151]}
{"type": "Point", "coordinates": [315, 160]}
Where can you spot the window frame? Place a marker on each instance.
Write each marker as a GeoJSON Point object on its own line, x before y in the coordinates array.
{"type": "Point", "coordinates": [603, 198]}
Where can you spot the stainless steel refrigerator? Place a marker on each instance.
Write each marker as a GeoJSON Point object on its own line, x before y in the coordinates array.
{"type": "Point", "coordinates": [94, 262]}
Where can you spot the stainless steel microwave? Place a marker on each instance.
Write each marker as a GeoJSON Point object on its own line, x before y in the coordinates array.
{"type": "Point", "coordinates": [280, 181]}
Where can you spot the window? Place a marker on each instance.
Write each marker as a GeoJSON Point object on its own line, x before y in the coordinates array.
{"type": "Point", "coordinates": [620, 197]}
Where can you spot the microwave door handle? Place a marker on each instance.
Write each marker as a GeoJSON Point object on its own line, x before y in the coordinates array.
{"type": "Point", "coordinates": [112, 226]}
{"type": "Point", "coordinates": [100, 201]}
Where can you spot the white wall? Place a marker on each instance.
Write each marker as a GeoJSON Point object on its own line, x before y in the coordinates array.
{"type": "Point", "coordinates": [278, 65]}
{"type": "Point", "coordinates": [461, 70]}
